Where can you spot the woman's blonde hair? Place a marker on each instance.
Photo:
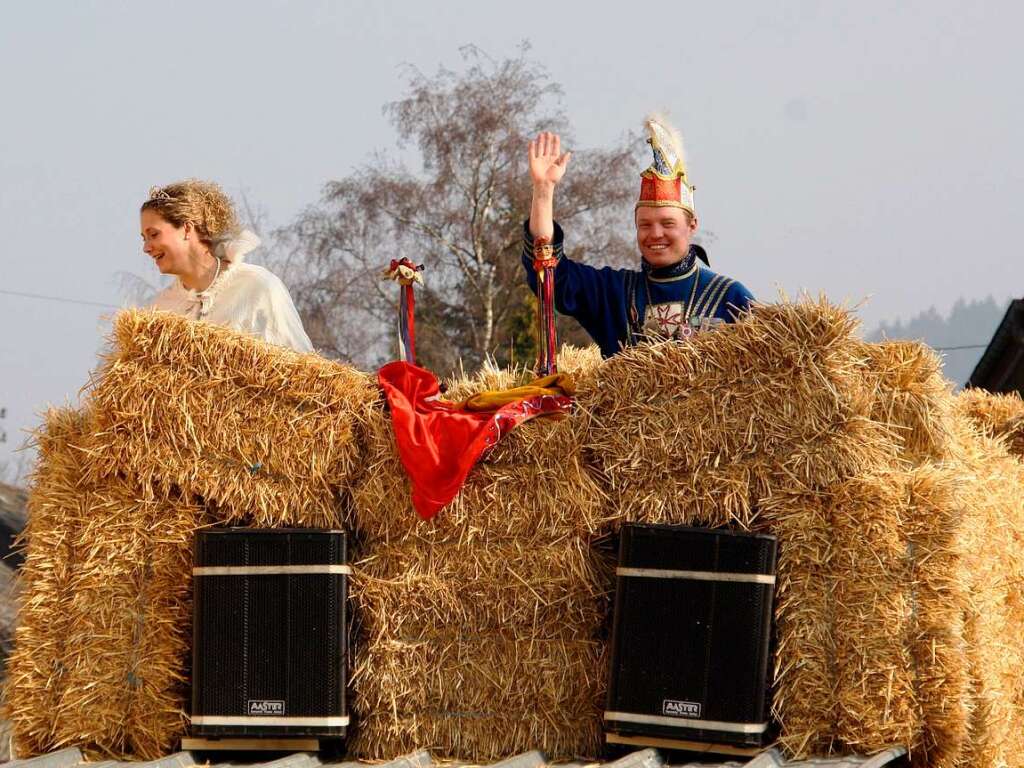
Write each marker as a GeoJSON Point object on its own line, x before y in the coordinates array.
{"type": "Point", "coordinates": [201, 202]}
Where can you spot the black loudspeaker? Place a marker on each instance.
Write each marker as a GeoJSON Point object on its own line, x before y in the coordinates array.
{"type": "Point", "coordinates": [269, 653]}
{"type": "Point", "coordinates": [691, 635]}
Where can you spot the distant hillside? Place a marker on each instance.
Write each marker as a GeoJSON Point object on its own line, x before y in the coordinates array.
{"type": "Point", "coordinates": [968, 323]}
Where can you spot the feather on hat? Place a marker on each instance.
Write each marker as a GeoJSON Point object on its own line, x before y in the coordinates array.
{"type": "Point", "coordinates": [664, 183]}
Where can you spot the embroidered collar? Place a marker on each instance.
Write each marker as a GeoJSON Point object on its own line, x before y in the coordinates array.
{"type": "Point", "coordinates": [678, 271]}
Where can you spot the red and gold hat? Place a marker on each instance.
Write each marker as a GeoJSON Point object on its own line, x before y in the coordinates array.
{"type": "Point", "coordinates": [664, 183]}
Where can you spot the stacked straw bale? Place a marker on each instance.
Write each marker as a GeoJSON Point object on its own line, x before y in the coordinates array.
{"type": "Point", "coordinates": [702, 431]}
{"type": "Point", "coordinates": [999, 416]}
{"type": "Point", "coordinates": [36, 668]}
{"type": "Point", "coordinates": [912, 398]}
{"type": "Point", "coordinates": [103, 604]}
{"type": "Point", "coordinates": [853, 455]}
{"type": "Point", "coordinates": [874, 684]}
{"type": "Point", "coordinates": [899, 511]}
{"type": "Point", "coordinates": [955, 510]}
{"type": "Point", "coordinates": [767, 425]}
{"type": "Point", "coordinates": [187, 425]}
{"type": "Point", "coordinates": [267, 433]}
{"type": "Point", "coordinates": [481, 629]}
{"type": "Point", "coordinates": [129, 622]}
{"type": "Point", "coordinates": [993, 564]}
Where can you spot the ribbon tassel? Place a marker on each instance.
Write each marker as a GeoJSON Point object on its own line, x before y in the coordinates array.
{"type": "Point", "coordinates": [406, 274]}
{"type": "Point", "coordinates": [544, 263]}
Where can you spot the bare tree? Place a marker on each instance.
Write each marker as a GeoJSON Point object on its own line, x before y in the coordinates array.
{"type": "Point", "coordinates": [460, 214]}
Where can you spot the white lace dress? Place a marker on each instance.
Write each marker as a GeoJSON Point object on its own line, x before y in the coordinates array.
{"type": "Point", "coordinates": [243, 296]}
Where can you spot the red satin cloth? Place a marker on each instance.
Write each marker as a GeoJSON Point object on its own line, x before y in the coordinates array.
{"type": "Point", "coordinates": [439, 442]}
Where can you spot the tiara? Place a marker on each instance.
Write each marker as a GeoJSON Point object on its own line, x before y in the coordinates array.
{"type": "Point", "coordinates": [159, 193]}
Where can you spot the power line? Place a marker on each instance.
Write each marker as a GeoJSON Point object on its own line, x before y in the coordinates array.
{"type": "Point", "coordinates": [64, 300]}
{"type": "Point", "coordinates": [60, 299]}
{"type": "Point", "coordinates": [963, 346]}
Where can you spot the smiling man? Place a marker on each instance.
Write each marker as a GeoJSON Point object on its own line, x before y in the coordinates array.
{"type": "Point", "coordinates": [673, 294]}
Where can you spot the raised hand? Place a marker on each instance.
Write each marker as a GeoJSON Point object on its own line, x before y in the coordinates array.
{"type": "Point", "coordinates": [547, 163]}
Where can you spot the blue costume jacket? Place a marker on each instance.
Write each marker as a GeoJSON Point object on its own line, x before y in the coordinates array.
{"type": "Point", "coordinates": [618, 307]}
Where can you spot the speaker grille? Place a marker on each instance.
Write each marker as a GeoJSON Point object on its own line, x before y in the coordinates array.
{"type": "Point", "coordinates": [691, 634]}
{"type": "Point", "coordinates": [269, 645]}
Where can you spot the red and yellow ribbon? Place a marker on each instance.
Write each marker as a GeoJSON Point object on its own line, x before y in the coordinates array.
{"type": "Point", "coordinates": [544, 263]}
{"type": "Point", "coordinates": [406, 274]}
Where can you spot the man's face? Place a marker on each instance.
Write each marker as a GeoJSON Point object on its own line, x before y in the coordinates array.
{"type": "Point", "coordinates": [663, 234]}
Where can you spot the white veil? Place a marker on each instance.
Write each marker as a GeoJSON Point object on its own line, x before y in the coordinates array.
{"type": "Point", "coordinates": [233, 248]}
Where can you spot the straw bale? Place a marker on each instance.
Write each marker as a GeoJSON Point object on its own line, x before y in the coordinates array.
{"type": "Point", "coordinates": [901, 529]}
{"type": "Point", "coordinates": [581, 363]}
{"type": "Point", "coordinates": [701, 431]}
{"type": "Point", "coordinates": [999, 416]}
{"type": "Point", "coordinates": [912, 397]}
{"type": "Point", "coordinates": [35, 668]}
{"type": "Point", "coordinates": [514, 668]}
{"type": "Point", "coordinates": [493, 734]}
{"type": "Point", "coordinates": [994, 547]}
{"type": "Point", "coordinates": [104, 622]}
{"type": "Point", "coordinates": [268, 434]}
{"type": "Point", "coordinates": [873, 611]}
{"type": "Point", "coordinates": [804, 697]}
{"type": "Point", "coordinates": [942, 598]}
{"type": "Point", "coordinates": [416, 589]}
{"type": "Point", "coordinates": [159, 681]}
{"type": "Point", "coordinates": [480, 627]}
{"type": "Point", "coordinates": [127, 639]}
{"type": "Point", "coordinates": [533, 486]}
{"type": "Point", "coordinates": [479, 634]}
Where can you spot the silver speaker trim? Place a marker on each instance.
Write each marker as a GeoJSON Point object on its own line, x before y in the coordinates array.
{"type": "Point", "coordinates": [680, 722]}
{"type": "Point", "coordinates": [664, 573]}
{"type": "Point", "coordinates": [270, 570]}
{"type": "Point", "coordinates": [319, 722]}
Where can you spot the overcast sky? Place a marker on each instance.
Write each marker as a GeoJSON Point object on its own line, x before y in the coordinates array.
{"type": "Point", "coordinates": [859, 149]}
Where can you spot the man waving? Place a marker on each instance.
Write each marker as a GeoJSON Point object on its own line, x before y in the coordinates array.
{"type": "Point", "coordinates": [674, 293]}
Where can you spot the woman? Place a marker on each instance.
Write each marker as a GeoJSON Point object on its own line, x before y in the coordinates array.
{"type": "Point", "coordinates": [190, 230]}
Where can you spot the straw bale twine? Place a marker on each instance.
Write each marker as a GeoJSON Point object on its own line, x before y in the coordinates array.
{"type": "Point", "coordinates": [36, 668]}
{"type": "Point", "coordinates": [999, 416]}
{"type": "Point", "coordinates": [268, 434]}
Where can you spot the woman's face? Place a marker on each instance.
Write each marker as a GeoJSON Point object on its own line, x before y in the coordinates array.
{"type": "Point", "coordinates": [164, 243]}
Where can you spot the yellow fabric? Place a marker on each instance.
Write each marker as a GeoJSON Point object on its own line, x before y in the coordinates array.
{"type": "Point", "coordinates": [491, 400]}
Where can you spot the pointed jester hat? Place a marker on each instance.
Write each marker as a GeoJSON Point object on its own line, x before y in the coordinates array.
{"type": "Point", "coordinates": [664, 183]}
